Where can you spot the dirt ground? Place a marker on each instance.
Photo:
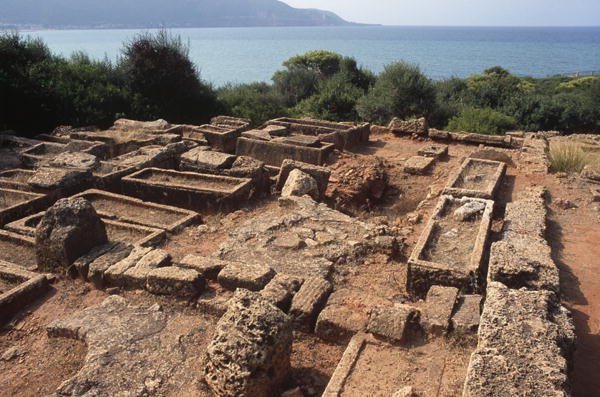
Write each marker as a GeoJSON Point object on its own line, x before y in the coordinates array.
{"type": "Point", "coordinates": [437, 368]}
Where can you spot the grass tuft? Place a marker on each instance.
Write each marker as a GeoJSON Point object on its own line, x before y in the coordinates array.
{"type": "Point", "coordinates": [567, 157]}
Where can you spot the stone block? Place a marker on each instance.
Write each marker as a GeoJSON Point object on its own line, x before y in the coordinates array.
{"type": "Point", "coordinates": [281, 289]}
{"type": "Point", "coordinates": [392, 323]}
{"type": "Point", "coordinates": [433, 151]}
{"type": "Point", "coordinates": [257, 134]}
{"type": "Point", "coordinates": [208, 267]}
{"type": "Point", "coordinates": [439, 305]}
{"type": "Point", "coordinates": [114, 275]}
{"type": "Point", "coordinates": [299, 140]}
{"type": "Point", "coordinates": [77, 160]}
{"type": "Point", "coordinates": [175, 281]}
{"type": "Point", "coordinates": [249, 354]}
{"type": "Point", "coordinates": [465, 319]}
{"type": "Point", "coordinates": [98, 266]}
{"type": "Point", "coordinates": [300, 184]}
{"type": "Point", "coordinates": [308, 302]}
{"type": "Point", "coordinates": [214, 300]}
{"type": "Point", "coordinates": [339, 323]}
{"type": "Point", "coordinates": [198, 159]}
{"type": "Point", "coordinates": [245, 275]}
{"type": "Point", "coordinates": [418, 165]}
{"type": "Point", "coordinates": [414, 126]}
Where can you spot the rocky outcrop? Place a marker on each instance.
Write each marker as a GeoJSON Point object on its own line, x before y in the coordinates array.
{"type": "Point", "coordinates": [68, 230]}
{"type": "Point", "coordinates": [249, 355]}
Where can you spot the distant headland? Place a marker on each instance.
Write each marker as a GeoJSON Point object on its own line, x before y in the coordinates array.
{"type": "Point", "coordinates": [116, 14]}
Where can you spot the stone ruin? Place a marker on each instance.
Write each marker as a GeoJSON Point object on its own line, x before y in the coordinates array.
{"type": "Point", "coordinates": [108, 206]}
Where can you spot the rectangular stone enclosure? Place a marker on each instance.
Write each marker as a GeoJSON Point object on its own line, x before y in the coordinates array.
{"type": "Point", "coordinates": [130, 210]}
{"type": "Point", "coordinates": [450, 250]}
{"type": "Point", "coordinates": [18, 249]}
{"type": "Point", "coordinates": [117, 231]}
{"type": "Point", "coordinates": [342, 135]}
{"type": "Point", "coordinates": [188, 189]}
{"type": "Point", "coordinates": [273, 153]}
{"type": "Point", "coordinates": [15, 204]}
{"type": "Point", "coordinates": [16, 179]}
{"type": "Point", "coordinates": [477, 178]}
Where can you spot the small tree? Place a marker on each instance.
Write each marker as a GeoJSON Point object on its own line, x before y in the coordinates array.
{"type": "Point", "coordinates": [163, 80]}
{"type": "Point", "coordinates": [255, 101]}
{"type": "Point", "coordinates": [401, 90]}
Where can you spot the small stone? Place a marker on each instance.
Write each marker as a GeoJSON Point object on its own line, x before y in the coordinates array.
{"type": "Point", "coordinates": [288, 241]}
{"type": "Point", "coordinates": [13, 352]}
{"type": "Point", "coordinates": [565, 204]}
{"type": "Point", "coordinates": [469, 209]}
{"type": "Point", "coordinates": [414, 218]}
{"type": "Point", "coordinates": [404, 392]}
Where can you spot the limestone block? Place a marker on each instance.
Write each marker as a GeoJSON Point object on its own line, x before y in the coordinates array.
{"type": "Point", "coordinates": [245, 275]}
{"type": "Point", "coordinates": [392, 322]}
{"type": "Point", "coordinates": [308, 302]}
{"type": "Point", "coordinates": [175, 281]}
{"type": "Point", "coordinates": [439, 304]}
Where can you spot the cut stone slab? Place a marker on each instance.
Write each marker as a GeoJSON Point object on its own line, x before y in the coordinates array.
{"type": "Point", "coordinates": [136, 276]}
{"type": "Point", "coordinates": [418, 165]}
{"type": "Point", "coordinates": [320, 174]}
{"type": "Point", "coordinates": [257, 134]}
{"type": "Point", "coordinates": [208, 267]}
{"type": "Point", "coordinates": [134, 350]}
{"type": "Point", "coordinates": [393, 323]}
{"type": "Point", "coordinates": [53, 178]}
{"type": "Point", "coordinates": [308, 302]}
{"type": "Point", "coordinates": [433, 151]}
{"type": "Point", "coordinates": [465, 319]}
{"type": "Point", "coordinates": [98, 266]}
{"type": "Point", "coordinates": [208, 159]}
{"type": "Point", "coordinates": [81, 266]}
{"type": "Point", "coordinates": [249, 354]}
{"type": "Point", "coordinates": [114, 275]}
{"type": "Point", "coordinates": [523, 263]}
{"type": "Point", "coordinates": [435, 316]}
{"type": "Point", "coordinates": [526, 339]}
{"type": "Point", "coordinates": [300, 183]}
{"type": "Point", "coordinates": [245, 275]}
{"type": "Point", "coordinates": [281, 289]}
{"type": "Point", "coordinates": [299, 140]}
{"type": "Point", "coordinates": [469, 209]}
{"type": "Point", "coordinates": [68, 230]}
{"type": "Point", "coordinates": [338, 324]}
{"type": "Point", "coordinates": [175, 281]}
{"type": "Point", "coordinates": [78, 160]}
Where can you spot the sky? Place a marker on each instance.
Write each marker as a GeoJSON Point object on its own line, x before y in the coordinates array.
{"type": "Point", "coordinates": [462, 12]}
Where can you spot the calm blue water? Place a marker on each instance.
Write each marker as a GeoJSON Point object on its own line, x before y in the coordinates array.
{"type": "Point", "coordinates": [254, 54]}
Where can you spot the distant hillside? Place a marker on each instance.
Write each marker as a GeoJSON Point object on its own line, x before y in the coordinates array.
{"type": "Point", "coordinates": [159, 13]}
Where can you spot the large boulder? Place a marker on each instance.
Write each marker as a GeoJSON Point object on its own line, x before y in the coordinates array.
{"type": "Point", "coordinates": [68, 230]}
{"type": "Point", "coordinates": [300, 183]}
{"type": "Point", "coordinates": [249, 355]}
{"type": "Point", "coordinates": [414, 126]}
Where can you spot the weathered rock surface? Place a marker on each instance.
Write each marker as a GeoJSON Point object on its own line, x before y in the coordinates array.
{"type": "Point", "coordinates": [469, 209]}
{"type": "Point", "coordinates": [54, 178]}
{"type": "Point", "coordinates": [300, 183]}
{"type": "Point", "coordinates": [301, 219]}
{"type": "Point", "coordinates": [134, 351]}
{"type": "Point", "coordinates": [198, 158]}
{"type": "Point", "coordinates": [281, 289]}
{"type": "Point", "coordinates": [208, 267]}
{"type": "Point", "coordinates": [415, 126]}
{"type": "Point", "coordinates": [465, 319]}
{"type": "Point", "coordinates": [68, 230]}
{"type": "Point", "coordinates": [525, 341]}
{"type": "Point", "coordinates": [249, 355]}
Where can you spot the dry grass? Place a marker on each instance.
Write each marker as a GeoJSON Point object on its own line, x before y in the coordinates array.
{"type": "Point", "coordinates": [568, 157]}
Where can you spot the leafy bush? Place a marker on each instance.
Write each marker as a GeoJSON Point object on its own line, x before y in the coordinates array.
{"type": "Point", "coordinates": [335, 100]}
{"type": "Point", "coordinates": [163, 81]}
{"type": "Point", "coordinates": [257, 101]}
{"type": "Point", "coordinates": [401, 90]}
{"type": "Point", "coordinates": [567, 157]}
{"type": "Point", "coordinates": [481, 121]}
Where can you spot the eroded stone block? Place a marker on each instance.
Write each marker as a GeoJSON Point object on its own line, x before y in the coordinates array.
{"type": "Point", "coordinates": [308, 302]}
{"type": "Point", "coordinates": [435, 316]}
{"type": "Point", "coordinates": [465, 319]}
{"type": "Point", "coordinates": [392, 322]}
{"type": "Point", "coordinates": [175, 281]}
{"type": "Point", "coordinates": [281, 289]}
{"type": "Point", "coordinates": [245, 275]}
{"type": "Point", "coordinates": [339, 323]}
{"type": "Point", "coordinates": [418, 165]}
{"type": "Point", "coordinates": [433, 151]}
{"type": "Point", "coordinates": [207, 266]}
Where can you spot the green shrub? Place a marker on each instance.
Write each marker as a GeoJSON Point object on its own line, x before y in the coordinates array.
{"type": "Point", "coordinates": [257, 101]}
{"type": "Point", "coordinates": [481, 121]}
{"type": "Point", "coordinates": [163, 81]}
{"type": "Point", "coordinates": [401, 90]}
{"type": "Point", "coordinates": [567, 157]}
{"type": "Point", "coordinates": [335, 100]}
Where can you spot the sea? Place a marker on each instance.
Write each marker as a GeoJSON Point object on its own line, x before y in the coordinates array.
{"type": "Point", "coordinates": [244, 55]}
